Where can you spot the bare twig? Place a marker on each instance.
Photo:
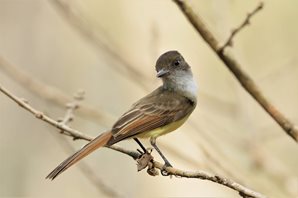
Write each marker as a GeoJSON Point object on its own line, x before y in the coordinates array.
{"type": "Point", "coordinates": [66, 130]}
{"type": "Point", "coordinates": [38, 114]}
{"type": "Point", "coordinates": [243, 191]}
{"type": "Point", "coordinates": [246, 22]}
{"type": "Point", "coordinates": [245, 80]}
{"type": "Point", "coordinates": [71, 107]}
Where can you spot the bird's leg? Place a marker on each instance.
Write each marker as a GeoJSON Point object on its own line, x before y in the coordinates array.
{"type": "Point", "coordinates": [167, 163]}
{"type": "Point", "coordinates": [141, 145]}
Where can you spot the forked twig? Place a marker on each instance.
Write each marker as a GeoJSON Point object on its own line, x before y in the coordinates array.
{"type": "Point", "coordinates": [246, 22]}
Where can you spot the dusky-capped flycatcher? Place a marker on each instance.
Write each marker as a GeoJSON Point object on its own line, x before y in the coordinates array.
{"type": "Point", "coordinates": [160, 112]}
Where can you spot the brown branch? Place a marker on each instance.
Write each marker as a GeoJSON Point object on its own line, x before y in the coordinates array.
{"type": "Point", "coordinates": [246, 22]}
{"type": "Point", "coordinates": [243, 191]}
{"type": "Point", "coordinates": [65, 130]}
{"type": "Point", "coordinates": [245, 80]}
{"type": "Point", "coordinates": [39, 115]}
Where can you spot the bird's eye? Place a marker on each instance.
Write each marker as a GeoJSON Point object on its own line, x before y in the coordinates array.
{"type": "Point", "coordinates": [177, 63]}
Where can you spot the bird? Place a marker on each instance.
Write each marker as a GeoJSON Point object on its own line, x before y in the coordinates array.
{"type": "Point", "coordinates": [162, 111]}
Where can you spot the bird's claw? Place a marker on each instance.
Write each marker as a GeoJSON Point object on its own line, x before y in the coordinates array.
{"type": "Point", "coordinates": [144, 159]}
{"type": "Point", "coordinates": [163, 169]}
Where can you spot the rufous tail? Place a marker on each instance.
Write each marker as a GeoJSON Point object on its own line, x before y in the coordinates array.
{"type": "Point", "coordinates": [97, 142]}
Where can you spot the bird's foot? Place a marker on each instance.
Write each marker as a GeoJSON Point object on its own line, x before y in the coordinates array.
{"type": "Point", "coordinates": [163, 170]}
{"type": "Point", "coordinates": [144, 159]}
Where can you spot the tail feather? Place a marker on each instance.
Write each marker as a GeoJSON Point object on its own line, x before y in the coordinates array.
{"type": "Point", "coordinates": [97, 142]}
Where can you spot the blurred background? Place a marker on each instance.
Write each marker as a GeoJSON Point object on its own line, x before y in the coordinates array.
{"type": "Point", "coordinates": [50, 49]}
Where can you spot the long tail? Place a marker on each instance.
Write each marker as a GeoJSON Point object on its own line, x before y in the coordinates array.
{"type": "Point", "coordinates": [97, 142]}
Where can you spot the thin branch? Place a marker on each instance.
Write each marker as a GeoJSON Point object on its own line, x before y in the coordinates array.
{"type": "Point", "coordinates": [65, 130]}
{"type": "Point", "coordinates": [243, 191]}
{"type": "Point", "coordinates": [39, 115]}
{"type": "Point", "coordinates": [71, 107]}
{"type": "Point", "coordinates": [245, 80]}
{"type": "Point", "coordinates": [246, 22]}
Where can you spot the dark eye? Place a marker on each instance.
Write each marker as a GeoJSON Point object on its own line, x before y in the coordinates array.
{"type": "Point", "coordinates": [177, 63]}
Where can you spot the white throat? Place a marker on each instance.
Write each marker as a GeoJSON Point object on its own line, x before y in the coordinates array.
{"type": "Point", "coordinates": [183, 82]}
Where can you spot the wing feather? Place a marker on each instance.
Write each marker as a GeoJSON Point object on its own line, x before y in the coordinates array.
{"type": "Point", "coordinates": [156, 110]}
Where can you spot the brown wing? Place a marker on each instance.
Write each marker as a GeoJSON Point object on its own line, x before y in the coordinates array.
{"type": "Point", "coordinates": [159, 108]}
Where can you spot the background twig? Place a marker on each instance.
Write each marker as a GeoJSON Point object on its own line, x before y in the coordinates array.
{"type": "Point", "coordinates": [246, 22]}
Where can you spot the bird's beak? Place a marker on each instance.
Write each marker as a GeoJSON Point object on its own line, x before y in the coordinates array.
{"type": "Point", "coordinates": [162, 72]}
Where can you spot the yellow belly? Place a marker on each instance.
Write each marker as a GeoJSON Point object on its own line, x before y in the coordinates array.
{"type": "Point", "coordinates": [162, 130]}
